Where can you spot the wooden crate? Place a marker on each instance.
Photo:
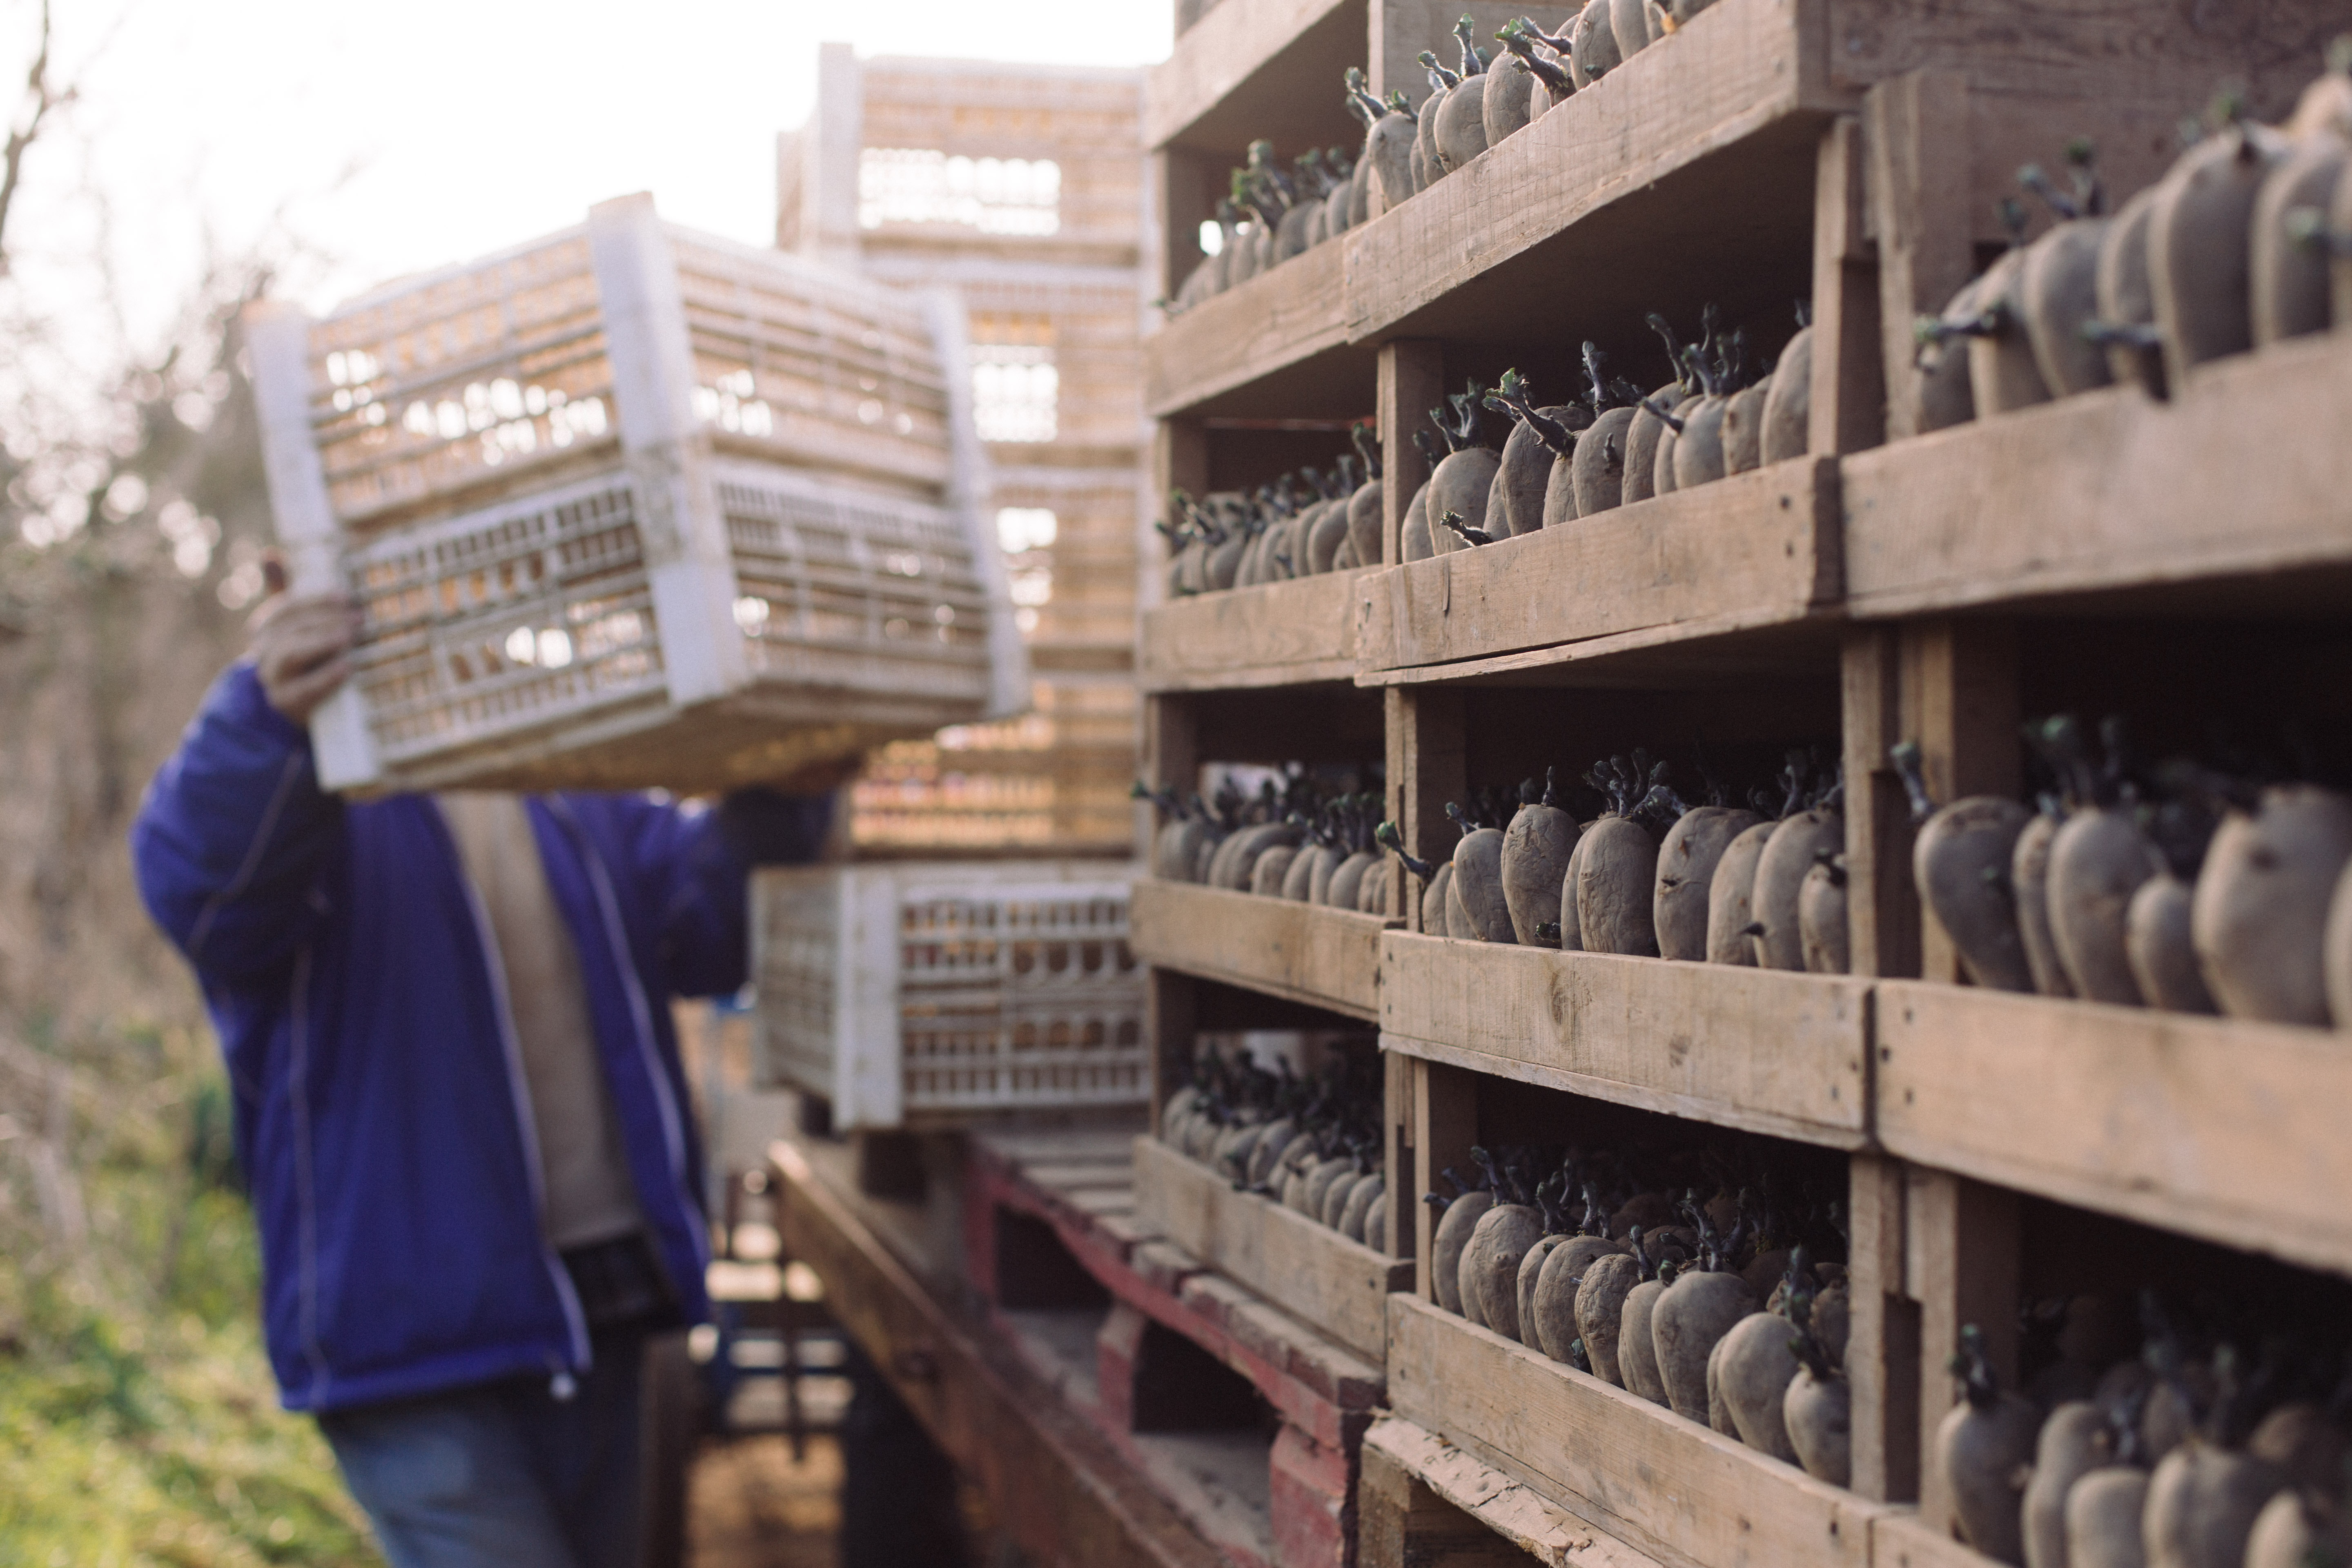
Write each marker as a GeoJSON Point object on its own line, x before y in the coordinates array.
{"type": "Point", "coordinates": [1338, 1287]}
{"type": "Point", "coordinates": [1661, 1484]}
{"type": "Point", "coordinates": [1303, 952]}
{"type": "Point", "coordinates": [1762, 1049]}
{"type": "Point", "coordinates": [632, 506]}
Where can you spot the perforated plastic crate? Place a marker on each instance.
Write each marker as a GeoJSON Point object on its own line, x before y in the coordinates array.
{"type": "Point", "coordinates": [633, 506]}
{"type": "Point", "coordinates": [911, 993]}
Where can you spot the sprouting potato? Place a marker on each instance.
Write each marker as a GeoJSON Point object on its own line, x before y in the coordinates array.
{"type": "Point", "coordinates": [1534, 864]}
{"type": "Point", "coordinates": [2260, 905]}
{"type": "Point", "coordinates": [1691, 1317]}
{"type": "Point", "coordinates": [2299, 1529]}
{"type": "Point", "coordinates": [1490, 1265]}
{"type": "Point", "coordinates": [1687, 858]}
{"type": "Point", "coordinates": [2058, 289]}
{"type": "Point", "coordinates": [1556, 1287]}
{"type": "Point", "coordinates": [2103, 1519]}
{"type": "Point", "coordinates": [1821, 916]}
{"type": "Point", "coordinates": [2202, 1501]}
{"type": "Point", "coordinates": [2002, 374]}
{"type": "Point", "coordinates": [1453, 1233]}
{"type": "Point", "coordinates": [1961, 862]}
{"type": "Point", "coordinates": [1983, 1446]}
{"type": "Point", "coordinates": [1601, 1311]}
{"type": "Point", "coordinates": [2198, 255]}
{"type": "Point", "coordinates": [1637, 1351]}
{"type": "Point", "coordinates": [2127, 322]}
{"type": "Point", "coordinates": [1754, 1375]}
{"type": "Point", "coordinates": [2075, 1440]}
{"type": "Point", "coordinates": [1731, 897]}
{"type": "Point", "coordinates": [1743, 427]}
{"type": "Point", "coordinates": [1780, 871]}
{"type": "Point", "coordinates": [1272, 867]}
{"type": "Point", "coordinates": [1478, 879]}
{"type": "Point", "coordinates": [1789, 407]}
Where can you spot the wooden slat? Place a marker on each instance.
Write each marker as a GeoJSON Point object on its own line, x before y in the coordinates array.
{"type": "Point", "coordinates": [2230, 1130]}
{"type": "Point", "coordinates": [1336, 1286]}
{"type": "Point", "coordinates": [1274, 319]}
{"type": "Point", "coordinates": [1231, 51]}
{"type": "Point", "coordinates": [1901, 1539]}
{"type": "Point", "coordinates": [1668, 1486]}
{"type": "Point", "coordinates": [1050, 1485]}
{"type": "Point", "coordinates": [1424, 1503]}
{"type": "Point", "coordinates": [2110, 491]}
{"type": "Point", "coordinates": [1307, 952]}
{"type": "Point", "coordinates": [1761, 546]}
{"type": "Point", "coordinates": [1761, 1049]}
{"type": "Point", "coordinates": [1730, 74]}
{"type": "Point", "coordinates": [1276, 634]}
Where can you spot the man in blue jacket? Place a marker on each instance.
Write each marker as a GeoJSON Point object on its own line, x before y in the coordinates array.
{"type": "Point", "coordinates": [458, 1100]}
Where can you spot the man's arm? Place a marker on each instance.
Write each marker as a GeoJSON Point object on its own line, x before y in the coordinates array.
{"type": "Point", "coordinates": [232, 839]}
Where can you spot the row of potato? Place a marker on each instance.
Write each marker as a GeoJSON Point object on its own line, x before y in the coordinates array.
{"type": "Point", "coordinates": [1304, 839]}
{"type": "Point", "coordinates": [2246, 241]}
{"type": "Point", "coordinates": [1305, 523]}
{"type": "Point", "coordinates": [1271, 213]}
{"type": "Point", "coordinates": [1314, 1144]}
{"type": "Point", "coordinates": [2186, 1453]}
{"type": "Point", "coordinates": [1731, 1311]}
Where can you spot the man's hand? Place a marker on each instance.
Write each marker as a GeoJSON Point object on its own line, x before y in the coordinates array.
{"type": "Point", "coordinates": [301, 645]}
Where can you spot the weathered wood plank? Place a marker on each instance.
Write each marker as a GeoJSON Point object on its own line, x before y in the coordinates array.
{"type": "Point", "coordinates": [1307, 952]}
{"type": "Point", "coordinates": [1274, 319]}
{"type": "Point", "coordinates": [1424, 1503]}
{"type": "Point", "coordinates": [1901, 1539]}
{"type": "Point", "coordinates": [1760, 546]}
{"type": "Point", "coordinates": [1667, 1486]}
{"type": "Point", "coordinates": [1761, 1049]}
{"type": "Point", "coordinates": [1276, 634]}
{"type": "Point", "coordinates": [2109, 490]}
{"type": "Point", "coordinates": [1338, 1287]}
{"type": "Point", "coordinates": [1235, 51]}
{"type": "Point", "coordinates": [1050, 1485]}
{"type": "Point", "coordinates": [2230, 1130]}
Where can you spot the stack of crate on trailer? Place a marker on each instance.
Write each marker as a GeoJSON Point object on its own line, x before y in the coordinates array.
{"type": "Point", "coordinates": [1997, 1160]}
{"type": "Point", "coordinates": [1021, 188]}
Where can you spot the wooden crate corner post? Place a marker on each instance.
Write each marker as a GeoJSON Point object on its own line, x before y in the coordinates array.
{"type": "Point", "coordinates": [1915, 134]}
{"type": "Point", "coordinates": [1444, 1127]}
{"type": "Point", "coordinates": [1411, 383]}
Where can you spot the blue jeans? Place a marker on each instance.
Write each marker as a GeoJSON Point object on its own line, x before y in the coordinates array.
{"type": "Point", "coordinates": [505, 1475]}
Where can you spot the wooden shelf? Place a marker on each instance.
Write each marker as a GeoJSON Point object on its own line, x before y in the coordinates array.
{"type": "Point", "coordinates": [1423, 1500]}
{"type": "Point", "coordinates": [1667, 1486]}
{"type": "Point", "coordinates": [1232, 76]}
{"type": "Point", "coordinates": [2229, 1131]}
{"type": "Point", "coordinates": [1765, 1050]}
{"type": "Point", "coordinates": [1276, 634]}
{"type": "Point", "coordinates": [1750, 552]}
{"type": "Point", "coordinates": [2214, 496]}
{"type": "Point", "coordinates": [1303, 952]}
{"type": "Point", "coordinates": [1274, 348]}
{"type": "Point", "coordinates": [1336, 1286]}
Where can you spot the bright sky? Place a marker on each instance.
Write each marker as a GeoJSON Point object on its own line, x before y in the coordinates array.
{"type": "Point", "coordinates": [401, 137]}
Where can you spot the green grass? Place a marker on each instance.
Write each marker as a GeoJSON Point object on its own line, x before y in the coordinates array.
{"type": "Point", "coordinates": [138, 1424]}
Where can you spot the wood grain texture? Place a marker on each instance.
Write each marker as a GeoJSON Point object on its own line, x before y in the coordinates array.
{"type": "Point", "coordinates": [1274, 319]}
{"type": "Point", "coordinates": [2239, 476]}
{"type": "Point", "coordinates": [1336, 1286]}
{"type": "Point", "coordinates": [1234, 51]}
{"type": "Point", "coordinates": [1666, 1486]}
{"type": "Point", "coordinates": [1761, 1049]}
{"type": "Point", "coordinates": [1760, 546]}
{"type": "Point", "coordinates": [1274, 634]}
{"type": "Point", "coordinates": [2222, 1129]}
{"type": "Point", "coordinates": [1427, 766]}
{"type": "Point", "coordinates": [1411, 383]}
{"type": "Point", "coordinates": [1305, 952]}
{"type": "Point", "coordinates": [1732, 72]}
{"type": "Point", "coordinates": [1424, 1503]}
{"type": "Point", "coordinates": [1901, 1539]}
{"type": "Point", "coordinates": [1050, 1484]}
{"type": "Point", "coordinates": [1882, 1361]}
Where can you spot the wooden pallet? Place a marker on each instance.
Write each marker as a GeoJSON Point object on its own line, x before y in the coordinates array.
{"type": "Point", "coordinates": [1306, 1268]}
{"type": "Point", "coordinates": [1303, 952]}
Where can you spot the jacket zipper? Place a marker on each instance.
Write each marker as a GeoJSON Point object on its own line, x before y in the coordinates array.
{"type": "Point", "coordinates": [641, 1017]}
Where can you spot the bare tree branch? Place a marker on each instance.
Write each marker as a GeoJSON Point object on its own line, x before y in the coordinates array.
{"type": "Point", "coordinates": [41, 97]}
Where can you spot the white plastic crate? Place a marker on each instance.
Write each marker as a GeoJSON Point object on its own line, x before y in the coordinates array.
{"type": "Point", "coordinates": [634, 506]}
{"type": "Point", "coordinates": [913, 992]}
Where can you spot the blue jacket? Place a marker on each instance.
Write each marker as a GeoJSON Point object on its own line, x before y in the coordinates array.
{"type": "Point", "coordinates": [380, 1107]}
